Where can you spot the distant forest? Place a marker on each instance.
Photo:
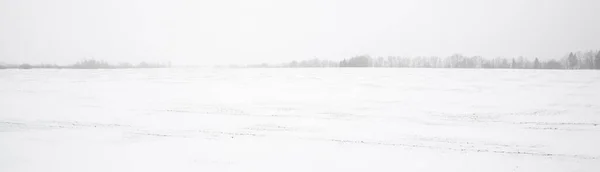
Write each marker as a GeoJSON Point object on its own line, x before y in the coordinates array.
{"type": "Point", "coordinates": [88, 64]}
{"type": "Point", "coordinates": [574, 60]}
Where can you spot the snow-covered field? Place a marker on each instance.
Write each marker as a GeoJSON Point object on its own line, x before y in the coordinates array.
{"type": "Point", "coordinates": [299, 120]}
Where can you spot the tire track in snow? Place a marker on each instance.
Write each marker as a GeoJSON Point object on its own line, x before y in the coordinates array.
{"type": "Point", "coordinates": [461, 149]}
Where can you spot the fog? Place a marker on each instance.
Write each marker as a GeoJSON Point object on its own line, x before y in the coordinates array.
{"type": "Point", "coordinates": [313, 85]}
{"type": "Point", "coordinates": [240, 32]}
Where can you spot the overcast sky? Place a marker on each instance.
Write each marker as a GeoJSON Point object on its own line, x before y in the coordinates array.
{"type": "Point", "coordinates": [254, 31]}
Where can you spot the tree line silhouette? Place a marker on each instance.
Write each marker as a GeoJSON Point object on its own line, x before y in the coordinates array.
{"type": "Point", "coordinates": [88, 64]}
{"type": "Point", "coordinates": [578, 60]}
{"type": "Point", "coordinates": [574, 60]}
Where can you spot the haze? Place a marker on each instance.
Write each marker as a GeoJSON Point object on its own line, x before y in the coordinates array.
{"type": "Point", "coordinates": [240, 32]}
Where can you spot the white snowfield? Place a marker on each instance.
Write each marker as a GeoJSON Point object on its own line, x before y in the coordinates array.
{"type": "Point", "coordinates": [299, 120]}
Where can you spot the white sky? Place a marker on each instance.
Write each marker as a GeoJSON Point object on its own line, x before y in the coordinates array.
{"type": "Point", "coordinates": [254, 31]}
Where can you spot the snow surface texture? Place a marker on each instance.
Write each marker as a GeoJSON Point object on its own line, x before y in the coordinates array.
{"type": "Point", "coordinates": [299, 120]}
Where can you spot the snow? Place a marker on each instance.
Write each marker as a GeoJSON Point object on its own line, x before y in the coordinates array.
{"type": "Point", "coordinates": [299, 120]}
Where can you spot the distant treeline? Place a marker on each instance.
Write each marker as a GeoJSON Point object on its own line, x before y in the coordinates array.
{"type": "Point", "coordinates": [574, 60]}
{"type": "Point", "coordinates": [88, 64]}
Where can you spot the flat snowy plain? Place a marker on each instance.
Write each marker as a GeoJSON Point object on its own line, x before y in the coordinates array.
{"type": "Point", "coordinates": [299, 120]}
